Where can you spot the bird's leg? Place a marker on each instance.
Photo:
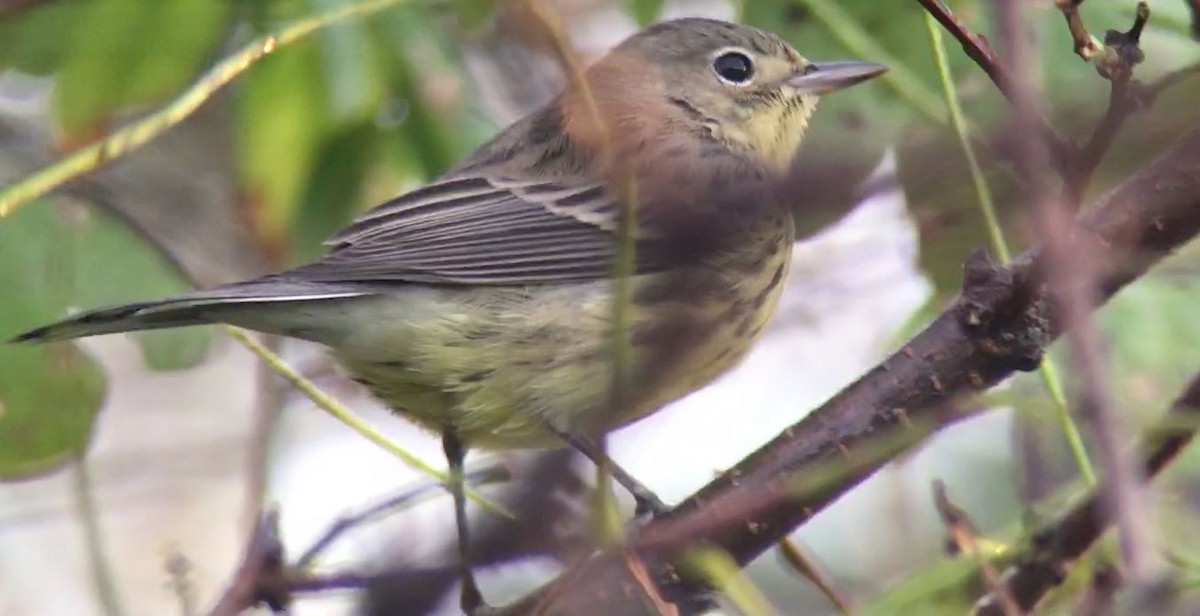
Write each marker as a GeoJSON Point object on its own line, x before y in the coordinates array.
{"type": "Point", "coordinates": [647, 501]}
{"type": "Point", "coordinates": [471, 600]}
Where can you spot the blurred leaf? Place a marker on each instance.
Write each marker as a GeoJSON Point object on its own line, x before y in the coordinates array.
{"type": "Point", "coordinates": [52, 258]}
{"type": "Point", "coordinates": [645, 12]}
{"type": "Point", "coordinates": [49, 400]}
{"type": "Point", "coordinates": [182, 35]}
{"type": "Point", "coordinates": [353, 82]}
{"type": "Point", "coordinates": [1154, 337]}
{"type": "Point", "coordinates": [432, 134]}
{"type": "Point", "coordinates": [944, 588]}
{"type": "Point", "coordinates": [281, 120]}
{"type": "Point", "coordinates": [474, 13]}
{"type": "Point", "coordinates": [335, 190]}
{"type": "Point", "coordinates": [98, 66]}
{"type": "Point", "coordinates": [111, 67]}
{"type": "Point", "coordinates": [32, 41]}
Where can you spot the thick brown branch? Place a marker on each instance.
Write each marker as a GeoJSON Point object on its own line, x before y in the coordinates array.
{"type": "Point", "coordinates": [1000, 324]}
{"type": "Point", "coordinates": [1054, 548]}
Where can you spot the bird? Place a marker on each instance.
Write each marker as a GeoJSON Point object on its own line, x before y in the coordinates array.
{"type": "Point", "coordinates": [481, 305]}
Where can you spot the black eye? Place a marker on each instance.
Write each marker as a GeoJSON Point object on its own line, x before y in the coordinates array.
{"type": "Point", "coordinates": [734, 67]}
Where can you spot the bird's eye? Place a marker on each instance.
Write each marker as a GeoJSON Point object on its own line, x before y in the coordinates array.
{"type": "Point", "coordinates": [734, 67]}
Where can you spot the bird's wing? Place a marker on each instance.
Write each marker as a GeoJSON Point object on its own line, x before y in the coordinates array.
{"type": "Point", "coordinates": [477, 230]}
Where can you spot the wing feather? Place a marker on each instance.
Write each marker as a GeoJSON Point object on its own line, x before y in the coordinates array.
{"type": "Point", "coordinates": [476, 230]}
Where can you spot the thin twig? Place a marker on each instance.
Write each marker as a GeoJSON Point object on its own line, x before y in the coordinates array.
{"type": "Point", "coordinates": [137, 134]}
{"type": "Point", "coordinates": [259, 578]}
{"type": "Point", "coordinates": [1121, 103]}
{"type": "Point", "coordinates": [637, 570]}
{"type": "Point", "coordinates": [1048, 370]}
{"type": "Point", "coordinates": [812, 571]}
{"type": "Point", "coordinates": [1149, 94]}
{"type": "Point", "coordinates": [99, 563]}
{"type": "Point", "coordinates": [623, 181]}
{"type": "Point", "coordinates": [723, 572]}
{"type": "Point", "coordinates": [1044, 565]}
{"type": "Point", "coordinates": [1073, 278]}
{"type": "Point", "coordinates": [407, 497]}
{"type": "Point", "coordinates": [980, 50]}
{"type": "Point", "coordinates": [963, 537]}
{"type": "Point", "coordinates": [1121, 54]}
{"type": "Point", "coordinates": [179, 572]}
{"type": "Point", "coordinates": [1087, 46]}
{"type": "Point", "coordinates": [340, 412]}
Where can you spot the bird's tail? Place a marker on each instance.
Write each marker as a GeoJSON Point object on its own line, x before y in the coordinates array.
{"type": "Point", "coordinates": [196, 308]}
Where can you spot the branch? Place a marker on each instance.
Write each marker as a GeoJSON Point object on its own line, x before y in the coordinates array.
{"type": "Point", "coordinates": [1043, 566]}
{"type": "Point", "coordinates": [977, 47]}
{"type": "Point", "coordinates": [1086, 45]}
{"type": "Point", "coordinates": [1123, 52]}
{"type": "Point", "coordinates": [259, 579]}
{"type": "Point", "coordinates": [1001, 323]}
{"type": "Point", "coordinates": [962, 537]}
{"type": "Point", "coordinates": [406, 498]}
{"type": "Point", "coordinates": [1072, 280]}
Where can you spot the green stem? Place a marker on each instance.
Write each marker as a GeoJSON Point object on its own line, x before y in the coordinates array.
{"type": "Point", "coordinates": [343, 414]}
{"type": "Point", "coordinates": [106, 588]}
{"type": "Point", "coordinates": [722, 572]}
{"type": "Point", "coordinates": [1047, 370]}
{"type": "Point", "coordinates": [143, 131]}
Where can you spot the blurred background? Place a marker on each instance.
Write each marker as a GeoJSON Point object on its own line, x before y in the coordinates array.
{"type": "Point", "coordinates": [133, 466]}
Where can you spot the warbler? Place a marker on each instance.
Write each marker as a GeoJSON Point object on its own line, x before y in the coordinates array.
{"type": "Point", "coordinates": [481, 305]}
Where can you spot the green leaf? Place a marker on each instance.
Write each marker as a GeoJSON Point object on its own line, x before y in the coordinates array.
{"type": "Point", "coordinates": [97, 70]}
{"type": "Point", "coordinates": [430, 135]}
{"type": "Point", "coordinates": [335, 191]}
{"type": "Point", "coordinates": [473, 14]}
{"type": "Point", "coordinates": [353, 81]}
{"type": "Point", "coordinates": [180, 36]}
{"type": "Point", "coordinates": [645, 12]}
{"type": "Point", "coordinates": [53, 258]}
{"type": "Point", "coordinates": [134, 52]}
{"type": "Point", "coordinates": [32, 42]}
{"type": "Point", "coordinates": [1154, 339]}
{"type": "Point", "coordinates": [49, 400]}
{"type": "Point", "coordinates": [281, 121]}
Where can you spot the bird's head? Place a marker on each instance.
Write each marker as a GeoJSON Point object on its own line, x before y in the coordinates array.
{"type": "Point", "coordinates": [742, 87]}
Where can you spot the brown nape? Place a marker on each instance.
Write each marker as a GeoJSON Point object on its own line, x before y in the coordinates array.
{"type": "Point", "coordinates": [619, 107]}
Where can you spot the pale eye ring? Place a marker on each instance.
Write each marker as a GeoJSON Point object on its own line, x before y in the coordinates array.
{"type": "Point", "coordinates": [734, 66]}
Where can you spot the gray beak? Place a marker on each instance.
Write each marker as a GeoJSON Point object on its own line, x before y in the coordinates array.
{"type": "Point", "coordinates": [822, 77]}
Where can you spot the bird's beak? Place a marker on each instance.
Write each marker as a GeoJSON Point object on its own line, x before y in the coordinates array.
{"type": "Point", "coordinates": [822, 77]}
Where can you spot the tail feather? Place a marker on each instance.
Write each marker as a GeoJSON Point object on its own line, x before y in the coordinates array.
{"type": "Point", "coordinates": [128, 318]}
{"type": "Point", "coordinates": [196, 308]}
